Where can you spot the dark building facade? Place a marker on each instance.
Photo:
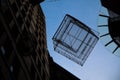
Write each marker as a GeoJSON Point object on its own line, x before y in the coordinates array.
{"type": "Point", "coordinates": [23, 47]}
{"type": "Point", "coordinates": [59, 73]}
{"type": "Point", "coordinates": [109, 22]}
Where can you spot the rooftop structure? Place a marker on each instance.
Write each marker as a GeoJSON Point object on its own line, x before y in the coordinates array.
{"type": "Point", "coordinates": [109, 22]}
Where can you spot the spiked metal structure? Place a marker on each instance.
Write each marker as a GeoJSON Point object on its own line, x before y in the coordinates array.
{"type": "Point", "coordinates": [74, 40]}
{"type": "Point", "coordinates": [109, 22]}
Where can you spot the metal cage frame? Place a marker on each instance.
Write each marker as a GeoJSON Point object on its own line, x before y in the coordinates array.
{"type": "Point", "coordinates": [74, 39]}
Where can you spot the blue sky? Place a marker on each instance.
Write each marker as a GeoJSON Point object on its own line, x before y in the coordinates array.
{"type": "Point", "coordinates": [101, 64]}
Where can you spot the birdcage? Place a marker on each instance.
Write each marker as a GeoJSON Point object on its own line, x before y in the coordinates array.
{"type": "Point", "coordinates": [74, 40]}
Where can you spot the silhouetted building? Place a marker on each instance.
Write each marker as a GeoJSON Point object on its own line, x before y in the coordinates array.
{"type": "Point", "coordinates": [113, 5]}
{"type": "Point", "coordinates": [23, 47]}
{"type": "Point", "coordinates": [109, 22]}
{"type": "Point", "coordinates": [59, 73]}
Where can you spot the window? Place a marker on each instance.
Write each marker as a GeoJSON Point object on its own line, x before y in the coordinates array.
{"type": "Point", "coordinates": [20, 20]}
{"type": "Point", "coordinates": [23, 13]}
{"type": "Point", "coordinates": [8, 15]}
{"type": "Point", "coordinates": [1, 28]}
{"type": "Point", "coordinates": [7, 48]}
{"type": "Point", "coordinates": [14, 31]}
{"type": "Point", "coordinates": [18, 2]}
{"type": "Point", "coordinates": [27, 23]}
{"type": "Point", "coordinates": [34, 56]}
{"type": "Point", "coordinates": [14, 8]}
{"type": "Point", "coordinates": [11, 68]}
{"type": "Point", "coordinates": [29, 17]}
{"type": "Point", "coordinates": [26, 7]}
{"type": "Point", "coordinates": [2, 50]}
{"type": "Point", "coordinates": [33, 72]}
{"type": "Point", "coordinates": [15, 67]}
{"type": "Point", "coordinates": [44, 75]}
{"type": "Point", "coordinates": [39, 66]}
{"type": "Point", "coordinates": [36, 33]}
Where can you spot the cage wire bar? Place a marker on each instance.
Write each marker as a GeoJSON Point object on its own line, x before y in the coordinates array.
{"type": "Point", "coordinates": [74, 40]}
